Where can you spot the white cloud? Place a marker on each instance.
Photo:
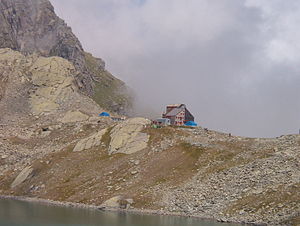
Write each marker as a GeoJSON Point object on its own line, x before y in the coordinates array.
{"type": "Point", "coordinates": [281, 20]}
{"type": "Point", "coordinates": [234, 63]}
{"type": "Point", "coordinates": [186, 22]}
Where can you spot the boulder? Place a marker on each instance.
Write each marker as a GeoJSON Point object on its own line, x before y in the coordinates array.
{"type": "Point", "coordinates": [117, 202]}
{"type": "Point", "coordinates": [127, 137]}
{"type": "Point", "coordinates": [89, 142]}
{"type": "Point", "coordinates": [24, 175]}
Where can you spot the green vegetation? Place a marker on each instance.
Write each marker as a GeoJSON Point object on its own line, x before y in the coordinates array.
{"type": "Point", "coordinates": [109, 92]}
{"type": "Point", "coordinates": [159, 134]}
{"type": "Point", "coordinates": [193, 151]}
{"type": "Point", "coordinates": [160, 180]}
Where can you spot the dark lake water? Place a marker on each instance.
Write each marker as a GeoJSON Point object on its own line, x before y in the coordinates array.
{"type": "Point", "coordinates": [13, 213]}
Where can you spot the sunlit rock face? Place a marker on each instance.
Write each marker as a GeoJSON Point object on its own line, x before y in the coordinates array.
{"type": "Point", "coordinates": [33, 27]}
{"type": "Point", "coordinates": [36, 85]}
{"type": "Point", "coordinates": [128, 137]}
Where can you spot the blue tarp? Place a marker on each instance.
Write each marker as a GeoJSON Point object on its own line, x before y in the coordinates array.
{"type": "Point", "coordinates": [190, 123]}
{"type": "Point", "coordinates": [105, 114]}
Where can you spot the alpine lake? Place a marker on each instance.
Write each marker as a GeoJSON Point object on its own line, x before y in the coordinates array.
{"type": "Point", "coordinates": [22, 213]}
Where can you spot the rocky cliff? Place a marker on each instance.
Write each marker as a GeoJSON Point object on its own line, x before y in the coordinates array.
{"type": "Point", "coordinates": [36, 86]}
{"type": "Point", "coordinates": [33, 27]}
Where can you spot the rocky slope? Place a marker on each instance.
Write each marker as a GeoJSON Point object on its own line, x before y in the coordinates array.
{"type": "Point", "coordinates": [54, 146]}
{"type": "Point", "coordinates": [33, 27]}
{"type": "Point", "coordinates": [193, 172]}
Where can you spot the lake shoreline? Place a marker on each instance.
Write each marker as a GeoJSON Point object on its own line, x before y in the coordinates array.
{"type": "Point", "coordinates": [132, 210]}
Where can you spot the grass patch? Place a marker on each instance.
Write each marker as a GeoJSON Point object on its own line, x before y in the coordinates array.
{"type": "Point", "coordinates": [6, 180]}
{"type": "Point", "coordinates": [255, 202]}
{"type": "Point", "coordinates": [221, 160]}
{"type": "Point", "coordinates": [108, 90]}
{"type": "Point", "coordinates": [160, 180]}
{"type": "Point", "coordinates": [143, 201]}
{"type": "Point", "coordinates": [213, 159]}
{"type": "Point", "coordinates": [159, 134]}
{"type": "Point", "coordinates": [194, 151]}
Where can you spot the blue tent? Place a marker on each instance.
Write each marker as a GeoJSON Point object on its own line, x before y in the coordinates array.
{"type": "Point", "coordinates": [190, 123]}
{"type": "Point", "coordinates": [104, 114]}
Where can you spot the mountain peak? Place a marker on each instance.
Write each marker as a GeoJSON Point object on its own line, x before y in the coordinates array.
{"type": "Point", "coordinates": [33, 27]}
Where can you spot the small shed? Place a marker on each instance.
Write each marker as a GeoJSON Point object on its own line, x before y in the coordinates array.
{"type": "Point", "coordinates": [162, 122]}
{"type": "Point", "coordinates": [104, 114]}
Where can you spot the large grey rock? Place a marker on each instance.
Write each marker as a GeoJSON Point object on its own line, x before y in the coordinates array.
{"type": "Point", "coordinates": [25, 173]}
{"type": "Point", "coordinates": [127, 137]}
{"type": "Point", "coordinates": [52, 77]}
{"type": "Point", "coordinates": [89, 142]}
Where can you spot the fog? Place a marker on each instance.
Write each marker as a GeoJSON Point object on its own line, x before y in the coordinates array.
{"type": "Point", "coordinates": [234, 63]}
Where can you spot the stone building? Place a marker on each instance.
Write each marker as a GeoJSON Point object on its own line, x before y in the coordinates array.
{"type": "Point", "coordinates": [178, 114]}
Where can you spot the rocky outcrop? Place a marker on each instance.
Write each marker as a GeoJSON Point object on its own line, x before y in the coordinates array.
{"type": "Point", "coordinates": [90, 142]}
{"type": "Point", "coordinates": [40, 85]}
{"type": "Point", "coordinates": [117, 202]}
{"type": "Point", "coordinates": [14, 97]}
{"type": "Point", "coordinates": [53, 80]}
{"type": "Point", "coordinates": [127, 137]}
{"type": "Point", "coordinates": [33, 27]}
{"type": "Point", "coordinates": [24, 175]}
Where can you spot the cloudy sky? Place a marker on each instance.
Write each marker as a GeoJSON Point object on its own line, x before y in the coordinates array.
{"type": "Point", "coordinates": [235, 63]}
